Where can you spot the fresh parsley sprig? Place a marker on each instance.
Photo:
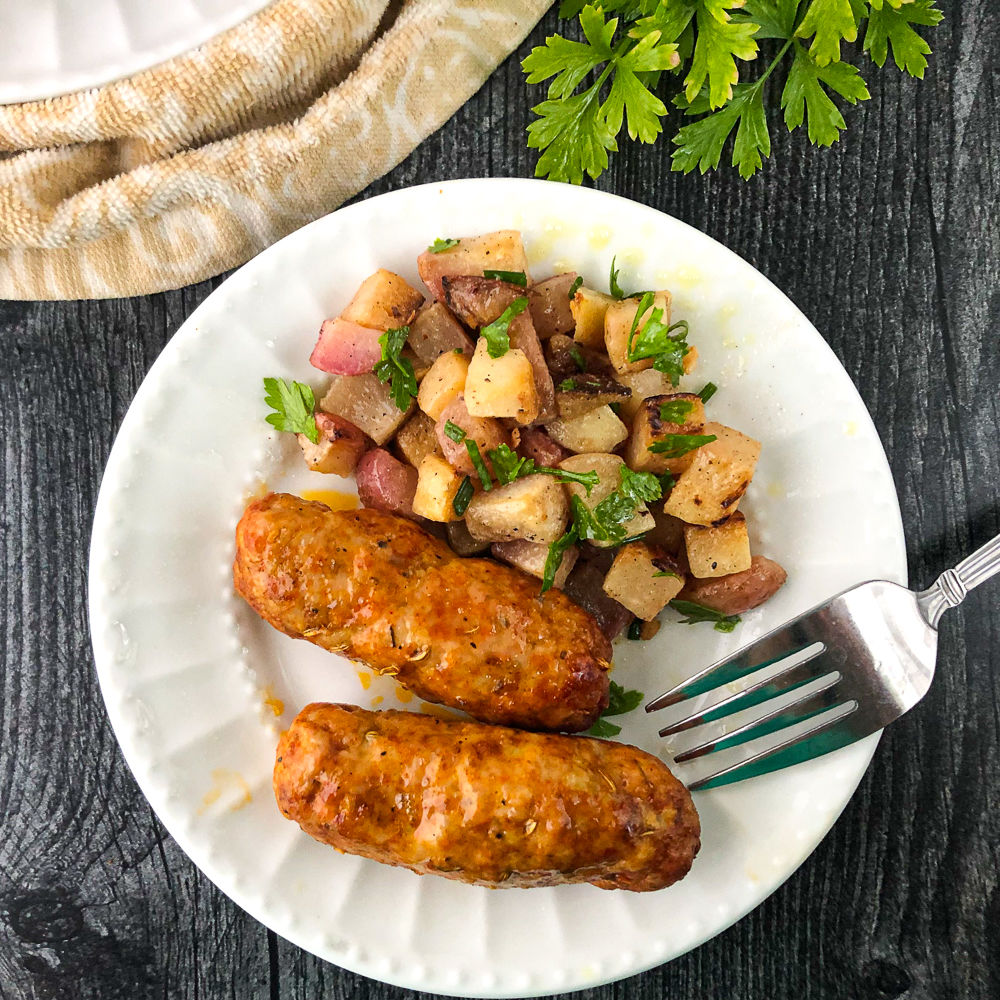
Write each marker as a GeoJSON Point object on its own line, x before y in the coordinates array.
{"type": "Point", "coordinates": [612, 75]}
{"type": "Point", "coordinates": [696, 613]}
{"type": "Point", "coordinates": [439, 245]}
{"type": "Point", "coordinates": [508, 466]}
{"type": "Point", "coordinates": [657, 340]}
{"type": "Point", "coordinates": [620, 702]}
{"type": "Point", "coordinates": [294, 407]}
{"type": "Point", "coordinates": [497, 333]}
{"type": "Point", "coordinates": [397, 370]}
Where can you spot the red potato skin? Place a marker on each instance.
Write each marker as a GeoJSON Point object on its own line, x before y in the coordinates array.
{"type": "Point", "coordinates": [585, 586]}
{"type": "Point", "coordinates": [482, 804]}
{"type": "Point", "coordinates": [485, 431]}
{"type": "Point", "coordinates": [385, 483]}
{"type": "Point", "coordinates": [537, 445]}
{"type": "Point", "coordinates": [737, 593]}
{"type": "Point", "coordinates": [549, 304]}
{"type": "Point", "coordinates": [469, 633]}
{"type": "Point", "coordinates": [346, 348]}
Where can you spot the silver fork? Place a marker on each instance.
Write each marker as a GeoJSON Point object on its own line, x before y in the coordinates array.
{"type": "Point", "coordinates": [830, 677]}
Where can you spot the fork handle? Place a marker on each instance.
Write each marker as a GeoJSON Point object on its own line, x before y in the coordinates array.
{"type": "Point", "coordinates": [952, 586]}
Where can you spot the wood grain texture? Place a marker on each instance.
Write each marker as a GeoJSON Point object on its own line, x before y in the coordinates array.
{"type": "Point", "coordinates": [889, 243]}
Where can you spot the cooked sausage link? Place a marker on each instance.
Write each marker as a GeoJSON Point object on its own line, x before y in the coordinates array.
{"type": "Point", "coordinates": [469, 633]}
{"type": "Point", "coordinates": [485, 804]}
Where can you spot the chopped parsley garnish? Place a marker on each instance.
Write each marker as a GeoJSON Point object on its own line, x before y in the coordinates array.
{"type": "Point", "coordinates": [512, 277]}
{"type": "Point", "coordinates": [458, 350]}
{"type": "Point", "coordinates": [439, 246]}
{"type": "Point", "coordinates": [497, 333]}
{"type": "Point", "coordinates": [708, 391]}
{"type": "Point", "coordinates": [675, 445]}
{"type": "Point", "coordinates": [635, 629]}
{"type": "Point", "coordinates": [478, 464]}
{"type": "Point", "coordinates": [575, 287]}
{"type": "Point", "coordinates": [656, 340]}
{"type": "Point", "coordinates": [397, 370]}
{"type": "Point", "coordinates": [554, 559]}
{"type": "Point", "coordinates": [293, 405]}
{"type": "Point", "coordinates": [454, 431]}
{"type": "Point", "coordinates": [566, 385]}
{"type": "Point", "coordinates": [620, 702]}
{"type": "Point", "coordinates": [508, 466]}
{"type": "Point", "coordinates": [463, 496]}
{"type": "Point", "coordinates": [615, 288]}
{"type": "Point", "coordinates": [666, 572]}
{"type": "Point", "coordinates": [578, 359]}
{"type": "Point", "coordinates": [699, 613]}
{"type": "Point", "coordinates": [667, 483]}
{"type": "Point", "coordinates": [676, 411]}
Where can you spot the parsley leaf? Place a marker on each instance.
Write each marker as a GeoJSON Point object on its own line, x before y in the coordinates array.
{"type": "Point", "coordinates": [699, 613]}
{"type": "Point", "coordinates": [891, 24]}
{"type": "Point", "coordinates": [293, 405]}
{"type": "Point", "coordinates": [512, 277]}
{"type": "Point", "coordinates": [721, 41]}
{"type": "Point", "coordinates": [588, 480]}
{"type": "Point", "coordinates": [635, 630]}
{"type": "Point", "coordinates": [454, 431]}
{"type": "Point", "coordinates": [575, 287]}
{"type": "Point", "coordinates": [613, 286]}
{"type": "Point", "coordinates": [675, 445]}
{"type": "Point", "coordinates": [478, 464]}
{"type": "Point", "coordinates": [606, 522]}
{"type": "Point", "coordinates": [439, 246]}
{"type": "Point", "coordinates": [708, 390]}
{"type": "Point", "coordinates": [553, 560]}
{"type": "Point", "coordinates": [804, 92]}
{"type": "Point", "coordinates": [658, 341]}
{"type": "Point", "coordinates": [566, 385]}
{"type": "Point", "coordinates": [828, 22]}
{"type": "Point", "coordinates": [497, 333]}
{"type": "Point", "coordinates": [578, 359]}
{"type": "Point", "coordinates": [620, 702]}
{"type": "Point", "coordinates": [508, 466]}
{"type": "Point", "coordinates": [676, 411]}
{"type": "Point", "coordinates": [396, 370]}
{"type": "Point", "coordinates": [463, 495]}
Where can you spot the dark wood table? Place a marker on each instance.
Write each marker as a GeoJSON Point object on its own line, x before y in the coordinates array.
{"type": "Point", "coordinates": [890, 243]}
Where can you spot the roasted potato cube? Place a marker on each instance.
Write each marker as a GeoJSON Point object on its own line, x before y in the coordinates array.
{"type": "Point", "coordinates": [367, 403]}
{"type": "Point", "coordinates": [485, 431]}
{"type": "Point", "coordinates": [384, 300]}
{"type": "Point", "coordinates": [588, 308]}
{"type": "Point", "coordinates": [386, 483]}
{"type": "Point", "coordinates": [648, 382]}
{"type": "Point", "coordinates": [644, 579]}
{"type": "Point", "coordinates": [657, 419]}
{"type": "Point", "coordinates": [477, 301]}
{"type": "Point", "coordinates": [435, 332]}
{"type": "Point", "coordinates": [711, 487]}
{"type": "Point", "coordinates": [718, 549]}
{"type": "Point", "coordinates": [567, 359]}
{"type": "Point", "coordinates": [340, 445]}
{"type": "Point", "coordinates": [537, 445]}
{"type": "Point", "coordinates": [500, 251]}
{"type": "Point", "coordinates": [550, 305]}
{"type": "Point", "coordinates": [417, 438]}
{"type": "Point", "coordinates": [443, 383]}
{"type": "Point", "coordinates": [667, 533]}
{"type": "Point", "coordinates": [740, 592]}
{"type": "Point", "coordinates": [461, 542]}
{"type": "Point", "coordinates": [530, 558]}
{"type": "Point", "coordinates": [608, 469]}
{"type": "Point", "coordinates": [579, 394]}
{"type": "Point", "coordinates": [618, 324]}
{"type": "Point", "coordinates": [437, 484]}
{"type": "Point", "coordinates": [585, 586]}
{"type": "Point", "coordinates": [501, 387]}
{"type": "Point", "coordinates": [534, 509]}
{"type": "Point", "coordinates": [598, 430]}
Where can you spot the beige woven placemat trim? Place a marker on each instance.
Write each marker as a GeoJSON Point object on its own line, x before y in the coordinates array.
{"type": "Point", "coordinates": [183, 171]}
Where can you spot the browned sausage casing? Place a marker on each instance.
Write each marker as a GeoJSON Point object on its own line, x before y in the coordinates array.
{"type": "Point", "coordinates": [485, 804]}
{"type": "Point", "coordinates": [469, 633]}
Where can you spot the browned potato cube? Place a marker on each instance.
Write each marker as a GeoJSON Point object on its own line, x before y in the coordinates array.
{"type": "Point", "coordinates": [566, 358]}
{"type": "Point", "coordinates": [668, 532]}
{"type": "Point", "coordinates": [500, 251]}
{"type": "Point", "coordinates": [598, 430]}
{"type": "Point", "coordinates": [648, 382]}
{"type": "Point", "coordinates": [485, 431]}
{"type": "Point", "coordinates": [579, 394]}
{"type": "Point", "coordinates": [551, 312]}
{"type": "Point", "coordinates": [589, 308]}
{"type": "Point", "coordinates": [643, 579]}
{"type": "Point", "coordinates": [656, 420]}
{"type": "Point", "coordinates": [608, 469]}
{"type": "Point", "coordinates": [461, 542]}
{"type": "Point", "coordinates": [618, 325]}
{"type": "Point", "coordinates": [417, 439]}
{"type": "Point", "coordinates": [367, 403]}
{"type": "Point", "coordinates": [443, 383]}
{"type": "Point", "coordinates": [718, 549]}
{"type": "Point", "coordinates": [711, 487]}
{"type": "Point", "coordinates": [340, 445]}
{"type": "Point", "coordinates": [384, 300]}
{"type": "Point", "coordinates": [530, 558]}
{"type": "Point", "coordinates": [534, 508]}
{"type": "Point", "coordinates": [435, 332]}
{"type": "Point", "coordinates": [738, 593]}
{"type": "Point", "coordinates": [437, 484]}
{"type": "Point", "coordinates": [501, 387]}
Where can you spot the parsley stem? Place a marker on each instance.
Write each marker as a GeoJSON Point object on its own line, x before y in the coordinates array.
{"type": "Point", "coordinates": [777, 59]}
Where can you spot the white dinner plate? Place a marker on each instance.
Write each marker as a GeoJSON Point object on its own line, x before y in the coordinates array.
{"type": "Point", "coordinates": [51, 47]}
{"type": "Point", "coordinates": [193, 680]}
